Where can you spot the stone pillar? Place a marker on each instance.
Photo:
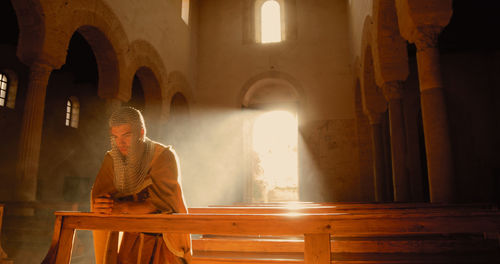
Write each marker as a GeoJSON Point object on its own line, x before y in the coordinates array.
{"type": "Point", "coordinates": [435, 118]}
{"type": "Point", "coordinates": [378, 157]}
{"type": "Point", "coordinates": [401, 182]}
{"type": "Point", "coordinates": [31, 132]}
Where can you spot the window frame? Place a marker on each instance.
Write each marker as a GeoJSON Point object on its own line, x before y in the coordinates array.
{"type": "Point", "coordinates": [6, 90]}
{"type": "Point", "coordinates": [258, 21]}
{"type": "Point", "coordinates": [72, 112]}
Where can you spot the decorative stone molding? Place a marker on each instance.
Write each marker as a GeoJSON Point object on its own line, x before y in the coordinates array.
{"type": "Point", "coordinates": [392, 90]}
{"type": "Point", "coordinates": [427, 37]}
{"type": "Point", "coordinates": [374, 118]}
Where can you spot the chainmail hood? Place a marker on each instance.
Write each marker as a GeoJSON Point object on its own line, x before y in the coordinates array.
{"type": "Point", "coordinates": [130, 171]}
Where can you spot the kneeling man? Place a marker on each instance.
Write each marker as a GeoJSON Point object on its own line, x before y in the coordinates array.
{"type": "Point", "coordinates": [138, 176]}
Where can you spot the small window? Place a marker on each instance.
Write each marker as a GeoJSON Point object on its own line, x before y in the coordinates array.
{"type": "Point", "coordinates": [270, 22]}
{"type": "Point", "coordinates": [185, 11]}
{"type": "Point", "coordinates": [3, 89]}
{"type": "Point", "coordinates": [8, 88]}
{"type": "Point", "coordinates": [72, 112]}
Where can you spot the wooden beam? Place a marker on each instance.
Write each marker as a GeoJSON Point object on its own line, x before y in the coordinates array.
{"type": "Point", "coordinates": [407, 222]}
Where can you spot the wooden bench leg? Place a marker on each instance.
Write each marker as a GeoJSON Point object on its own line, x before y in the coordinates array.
{"type": "Point", "coordinates": [317, 248]}
{"type": "Point", "coordinates": [62, 244]}
{"type": "Point", "coordinates": [65, 245]}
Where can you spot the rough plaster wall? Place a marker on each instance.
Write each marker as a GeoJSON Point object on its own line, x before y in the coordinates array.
{"type": "Point", "coordinates": [358, 10]}
{"type": "Point", "coordinates": [319, 60]}
{"type": "Point", "coordinates": [160, 23]}
{"type": "Point", "coordinates": [332, 146]}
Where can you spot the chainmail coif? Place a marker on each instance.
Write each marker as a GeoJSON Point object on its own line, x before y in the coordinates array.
{"type": "Point", "coordinates": [131, 170]}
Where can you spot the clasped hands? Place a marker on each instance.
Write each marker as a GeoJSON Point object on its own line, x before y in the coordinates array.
{"type": "Point", "coordinates": [105, 204]}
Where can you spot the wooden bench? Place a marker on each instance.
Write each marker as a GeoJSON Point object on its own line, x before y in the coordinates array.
{"type": "Point", "coordinates": [315, 228]}
{"type": "Point", "coordinates": [222, 247]}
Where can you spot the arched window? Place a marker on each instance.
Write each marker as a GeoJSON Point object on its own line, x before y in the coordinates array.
{"type": "Point", "coordinates": [270, 22]}
{"type": "Point", "coordinates": [72, 112]}
{"type": "Point", "coordinates": [3, 89]}
{"type": "Point", "coordinates": [8, 88]}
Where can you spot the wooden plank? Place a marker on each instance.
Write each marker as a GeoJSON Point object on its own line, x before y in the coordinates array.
{"type": "Point", "coordinates": [52, 254]}
{"type": "Point", "coordinates": [396, 244]}
{"type": "Point", "coordinates": [317, 248]}
{"type": "Point", "coordinates": [338, 224]}
{"type": "Point", "coordinates": [209, 260]}
{"type": "Point", "coordinates": [65, 245]}
{"type": "Point", "coordinates": [333, 208]}
{"type": "Point", "coordinates": [362, 205]}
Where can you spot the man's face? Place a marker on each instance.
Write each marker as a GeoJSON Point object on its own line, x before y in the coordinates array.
{"type": "Point", "coordinates": [123, 137]}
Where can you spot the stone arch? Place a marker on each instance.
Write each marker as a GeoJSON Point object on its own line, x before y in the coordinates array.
{"type": "Point", "coordinates": [108, 41]}
{"type": "Point", "coordinates": [150, 85]}
{"type": "Point", "coordinates": [179, 101]}
{"type": "Point", "coordinates": [179, 108]}
{"type": "Point", "coordinates": [152, 98]}
{"type": "Point", "coordinates": [372, 97]}
{"type": "Point", "coordinates": [107, 62]}
{"type": "Point", "coordinates": [278, 86]}
{"type": "Point", "coordinates": [390, 57]}
{"type": "Point", "coordinates": [31, 22]}
{"type": "Point", "coordinates": [146, 62]}
{"type": "Point", "coordinates": [177, 83]}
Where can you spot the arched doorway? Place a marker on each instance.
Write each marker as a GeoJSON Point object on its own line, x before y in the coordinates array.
{"type": "Point", "coordinates": [271, 140]}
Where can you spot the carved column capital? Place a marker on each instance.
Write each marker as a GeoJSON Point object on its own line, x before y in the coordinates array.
{"type": "Point", "coordinates": [392, 90]}
{"type": "Point", "coordinates": [427, 37]}
{"type": "Point", "coordinates": [40, 71]}
{"type": "Point", "coordinates": [374, 118]}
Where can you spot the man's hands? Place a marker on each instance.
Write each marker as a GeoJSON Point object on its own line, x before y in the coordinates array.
{"type": "Point", "coordinates": [106, 205]}
{"type": "Point", "coordinates": [103, 204]}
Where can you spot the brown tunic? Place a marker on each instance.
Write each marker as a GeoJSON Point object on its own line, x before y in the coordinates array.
{"type": "Point", "coordinates": [162, 184]}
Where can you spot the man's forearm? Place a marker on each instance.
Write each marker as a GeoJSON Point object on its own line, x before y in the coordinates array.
{"type": "Point", "coordinates": [130, 207]}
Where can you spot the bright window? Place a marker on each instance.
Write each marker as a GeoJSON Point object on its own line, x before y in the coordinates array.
{"type": "Point", "coordinates": [270, 18]}
{"type": "Point", "coordinates": [3, 89]}
{"type": "Point", "coordinates": [72, 112]}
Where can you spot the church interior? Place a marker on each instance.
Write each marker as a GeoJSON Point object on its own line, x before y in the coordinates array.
{"type": "Point", "coordinates": [264, 101]}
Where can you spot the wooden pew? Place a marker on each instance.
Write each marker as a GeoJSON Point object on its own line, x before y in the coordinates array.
{"type": "Point", "coordinates": [221, 247]}
{"type": "Point", "coordinates": [316, 228]}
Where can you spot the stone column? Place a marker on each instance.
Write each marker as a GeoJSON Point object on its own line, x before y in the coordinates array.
{"type": "Point", "coordinates": [435, 118]}
{"type": "Point", "coordinates": [31, 132]}
{"type": "Point", "coordinates": [401, 182]}
{"type": "Point", "coordinates": [378, 157]}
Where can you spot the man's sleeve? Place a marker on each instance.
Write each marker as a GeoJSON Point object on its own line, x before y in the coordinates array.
{"type": "Point", "coordinates": [103, 184]}
{"type": "Point", "coordinates": [166, 192]}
